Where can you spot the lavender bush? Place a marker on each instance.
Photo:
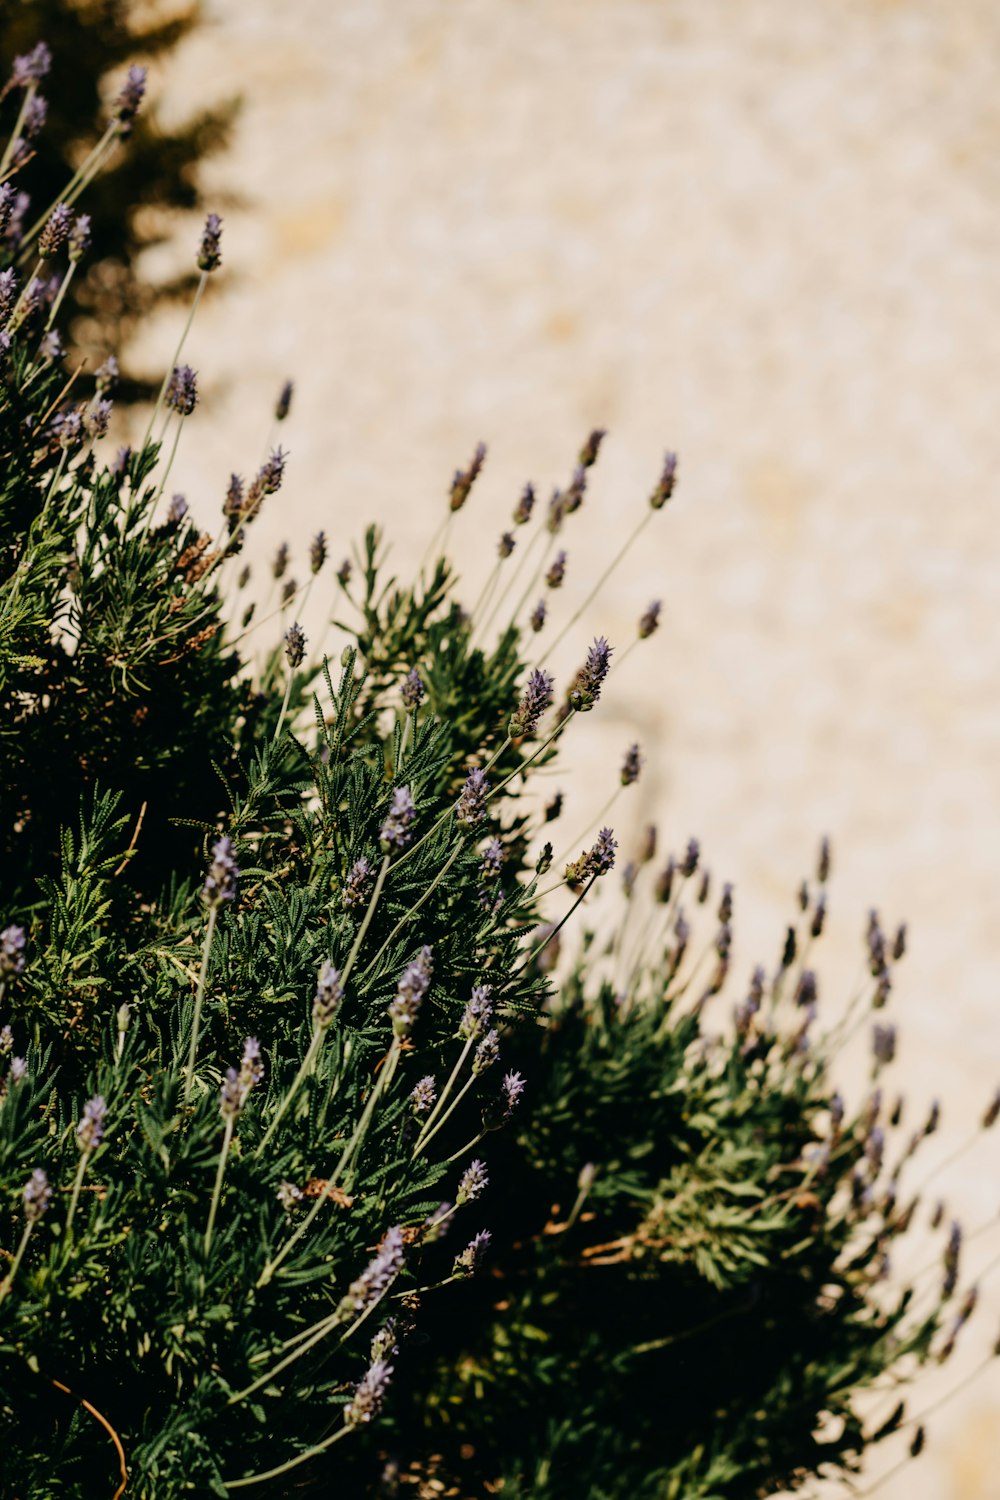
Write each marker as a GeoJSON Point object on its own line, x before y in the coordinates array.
{"type": "Point", "coordinates": [318, 1162]}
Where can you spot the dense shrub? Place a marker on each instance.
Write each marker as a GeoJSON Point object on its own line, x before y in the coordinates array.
{"type": "Point", "coordinates": [283, 1000]}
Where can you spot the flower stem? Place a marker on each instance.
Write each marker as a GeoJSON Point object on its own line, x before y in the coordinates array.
{"type": "Point", "coordinates": [198, 1001]}
{"type": "Point", "coordinates": [429, 1136]}
{"type": "Point", "coordinates": [5, 1285]}
{"type": "Point", "coordinates": [612, 565]}
{"type": "Point", "coordinates": [77, 1184]}
{"type": "Point", "coordinates": [292, 1463]}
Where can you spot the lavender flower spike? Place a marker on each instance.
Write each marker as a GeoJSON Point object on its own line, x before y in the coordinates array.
{"type": "Point", "coordinates": [182, 390]}
{"type": "Point", "coordinates": [56, 231]}
{"type": "Point", "coordinates": [650, 621]}
{"type": "Point", "coordinates": [37, 1196]}
{"type": "Point", "coordinates": [369, 1393]}
{"type": "Point", "coordinates": [535, 699]}
{"type": "Point", "coordinates": [471, 806]}
{"type": "Point", "coordinates": [468, 1262]}
{"type": "Point", "coordinates": [423, 1095]}
{"type": "Point", "coordinates": [329, 996]}
{"type": "Point", "coordinates": [295, 645]}
{"type": "Point", "coordinates": [513, 1088]}
{"type": "Point", "coordinates": [130, 97]}
{"type": "Point", "coordinates": [411, 988]}
{"type": "Point", "coordinates": [377, 1277]}
{"type": "Point", "coordinates": [395, 831]}
{"type": "Point", "coordinates": [473, 1183]}
{"type": "Point", "coordinates": [665, 487]}
{"type": "Point", "coordinates": [631, 766]}
{"type": "Point", "coordinates": [477, 1012]}
{"type": "Point", "coordinates": [284, 403]}
{"type": "Point", "coordinates": [12, 942]}
{"type": "Point", "coordinates": [223, 874]}
{"type": "Point", "coordinates": [412, 691]}
{"type": "Point", "coordinates": [90, 1130]}
{"type": "Point", "coordinates": [585, 689]}
{"type": "Point", "coordinates": [487, 1053]}
{"type": "Point", "coordinates": [31, 67]}
{"type": "Point", "coordinates": [356, 885]}
{"type": "Point", "coordinates": [209, 247]}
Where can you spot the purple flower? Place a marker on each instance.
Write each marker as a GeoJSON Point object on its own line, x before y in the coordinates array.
{"type": "Point", "coordinates": [130, 97]}
{"type": "Point", "coordinates": [182, 390]}
{"type": "Point", "coordinates": [377, 1277]}
{"type": "Point", "coordinates": [209, 247]}
{"type": "Point", "coordinates": [90, 1130]}
{"type": "Point", "coordinates": [535, 699]}
{"type": "Point", "coordinates": [477, 1012]}
{"type": "Point", "coordinates": [12, 943]}
{"type": "Point", "coordinates": [267, 481]}
{"type": "Point", "coordinates": [395, 831]}
{"type": "Point", "coordinates": [284, 403]}
{"type": "Point", "coordinates": [423, 1095]}
{"type": "Point", "coordinates": [329, 996]}
{"type": "Point", "coordinates": [492, 860]}
{"type": "Point", "coordinates": [55, 232]}
{"type": "Point", "coordinates": [288, 1194]}
{"type": "Point", "coordinates": [31, 67]}
{"type": "Point", "coordinates": [513, 1088]}
{"type": "Point", "coordinates": [120, 463]}
{"type": "Point", "coordinates": [317, 551]}
{"type": "Point", "coordinates": [18, 1070]}
{"type": "Point", "coordinates": [884, 1044]}
{"type": "Point", "coordinates": [177, 510]}
{"type": "Point", "coordinates": [506, 544]}
{"type": "Point", "coordinates": [585, 689]}
{"type": "Point", "coordinates": [369, 1393]}
{"type": "Point", "coordinates": [468, 1262]}
{"type": "Point", "coordinates": [631, 766]}
{"type": "Point", "coordinates": [411, 988]}
{"type": "Point", "coordinates": [37, 1196]}
{"type": "Point", "coordinates": [692, 854]}
{"type": "Point", "coordinates": [52, 346]}
{"type": "Point", "coordinates": [538, 616]}
{"type": "Point", "coordinates": [557, 572]}
{"type": "Point", "coordinates": [487, 1053]}
{"type": "Point", "coordinates": [223, 874]}
{"type": "Point", "coordinates": [473, 1183]}
{"type": "Point", "coordinates": [464, 479]}
{"type": "Point", "coordinates": [8, 291]}
{"type": "Point", "coordinates": [6, 1041]}
{"type": "Point", "coordinates": [665, 487]}
{"type": "Point", "coordinates": [591, 448]}
{"type": "Point", "coordinates": [597, 860]}
{"type": "Point", "coordinates": [412, 691]}
{"type": "Point", "coordinates": [649, 622]}
{"type": "Point", "coordinates": [97, 417]}
{"type": "Point", "coordinates": [295, 645]}
{"type": "Point", "coordinates": [471, 805]}
{"type": "Point", "coordinates": [251, 1068]}
{"type": "Point", "coordinates": [525, 505]}
{"type": "Point", "coordinates": [344, 572]}
{"type": "Point", "coordinates": [356, 885]}
{"type": "Point", "coordinates": [232, 1095]}
{"type": "Point", "coordinates": [80, 237]}
{"type": "Point", "coordinates": [106, 378]}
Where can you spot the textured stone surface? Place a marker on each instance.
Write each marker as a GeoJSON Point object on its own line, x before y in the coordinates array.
{"type": "Point", "coordinates": [764, 234]}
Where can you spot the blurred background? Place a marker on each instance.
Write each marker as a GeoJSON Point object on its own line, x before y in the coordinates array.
{"type": "Point", "coordinates": [762, 234]}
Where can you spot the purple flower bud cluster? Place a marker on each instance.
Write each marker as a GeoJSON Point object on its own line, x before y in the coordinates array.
{"type": "Point", "coordinates": [80, 237]}
{"type": "Point", "coordinates": [236, 1086]}
{"type": "Point", "coordinates": [591, 448]}
{"type": "Point", "coordinates": [288, 1194]}
{"type": "Point", "coordinates": [424, 1094]}
{"type": "Point", "coordinates": [470, 808]}
{"type": "Point", "coordinates": [279, 562]}
{"type": "Point", "coordinates": [90, 1130]}
{"type": "Point", "coordinates": [597, 860]}
{"type": "Point", "coordinates": [106, 378]}
{"type": "Point", "coordinates": [631, 766]}
{"type": "Point", "coordinates": [557, 572]}
{"type": "Point", "coordinates": [210, 244]}
{"type": "Point", "coordinates": [130, 97]}
{"type": "Point", "coordinates": [395, 831]}
{"type": "Point", "coordinates": [524, 506]}
{"type": "Point", "coordinates": [182, 390]}
{"type": "Point", "coordinates": [467, 1263]}
{"type": "Point", "coordinates": [538, 616]}
{"type": "Point", "coordinates": [12, 944]}
{"type": "Point", "coordinates": [31, 67]}
{"type": "Point", "coordinates": [317, 552]}
{"type": "Point", "coordinates": [295, 645]}
{"type": "Point", "coordinates": [492, 860]}
{"type": "Point", "coordinates": [486, 1054]}
{"type": "Point", "coordinates": [667, 480]}
{"type": "Point", "coordinates": [412, 691]}
{"type": "Point", "coordinates": [8, 284]}
{"type": "Point", "coordinates": [884, 1044]}
{"type": "Point", "coordinates": [952, 1258]}
{"type": "Point", "coordinates": [473, 1183]}
{"type": "Point", "coordinates": [513, 1088]}
{"type": "Point", "coordinates": [477, 1013]}
{"type": "Point", "coordinates": [328, 998]}
{"type": "Point", "coordinates": [55, 232]}
{"type": "Point", "coordinates": [222, 880]}
{"type": "Point", "coordinates": [464, 479]}
{"type": "Point", "coordinates": [177, 510]}
{"type": "Point", "coordinates": [267, 481]}
{"type": "Point", "coordinates": [585, 689]}
{"type": "Point", "coordinates": [359, 879]}
{"type": "Point", "coordinates": [535, 699]}
{"type": "Point", "coordinates": [649, 622]}
{"type": "Point", "coordinates": [506, 545]}
{"type": "Point", "coordinates": [369, 1394]}
{"type": "Point", "coordinates": [411, 988]}
{"type": "Point", "coordinates": [37, 1196]}
{"type": "Point", "coordinates": [377, 1277]}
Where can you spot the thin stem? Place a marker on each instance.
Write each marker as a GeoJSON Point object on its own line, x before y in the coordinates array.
{"type": "Point", "coordinates": [166, 472]}
{"type": "Point", "coordinates": [81, 177]}
{"type": "Point", "coordinates": [515, 575]}
{"type": "Point", "coordinates": [599, 819]}
{"type": "Point", "coordinates": [284, 705]}
{"type": "Point", "coordinates": [366, 923]}
{"type": "Point", "coordinates": [213, 912]}
{"type": "Point", "coordinates": [236, 1484]}
{"type": "Point", "coordinates": [533, 955]}
{"type": "Point", "coordinates": [307, 1062]}
{"type": "Point", "coordinates": [77, 1184]}
{"type": "Point", "coordinates": [63, 288]}
{"type": "Point", "coordinates": [217, 1190]}
{"type": "Point", "coordinates": [603, 578]}
{"type": "Point", "coordinates": [411, 912]}
{"type": "Point", "coordinates": [5, 1285]}
{"type": "Point", "coordinates": [173, 363]}
{"type": "Point", "coordinates": [466, 1086]}
{"type": "Point", "coordinates": [29, 94]}
{"type": "Point", "coordinates": [467, 1147]}
{"type": "Point", "coordinates": [444, 1092]}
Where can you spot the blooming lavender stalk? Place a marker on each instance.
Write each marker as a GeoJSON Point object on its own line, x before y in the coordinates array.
{"type": "Point", "coordinates": [55, 232]}
{"type": "Point", "coordinates": [411, 988]}
{"type": "Point", "coordinates": [279, 563]}
{"type": "Point", "coordinates": [369, 1394]}
{"type": "Point", "coordinates": [182, 390]}
{"type": "Point", "coordinates": [284, 403]}
{"type": "Point", "coordinates": [667, 480]}
{"type": "Point", "coordinates": [631, 766]}
{"type": "Point", "coordinates": [233, 1096]}
{"type": "Point", "coordinates": [524, 506]}
{"type": "Point", "coordinates": [538, 616]}
{"type": "Point", "coordinates": [31, 67]}
{"type": "Point", "coordinates": [177, 510]}
{"type": "Point", "coordinates": [210, 244]}
{"type": "Point", "coordinates": [359, 878]}
{"type": "Point", "coordinates": [473, 1183]}
{"type": "Point", "coordinates": [511, 1091]}
{"type": "Point", "coordinates": [649, 622]}
{"type": "Point", "coordinates": [328, 998]}
{"type": "Point", "coordinates": [222, 880]}
{"type": "Point", "coordinates": [487, 1053]}
{"type": "Point", "coordinates": [295, 645]}
{"type": "Point", "coordinates": [37, 1196]}
{"type": "Point", "coordinates": [412, 691]}
{"type": "Point", "coordinates": [80, 237]}
{"type": "Point", "coordinates": [492, 860]}
{"type": "Point", "coordinates": [470, 808]}
{"type": "Point", "coordinates": [317, 552]}
{"type": "Point", "coordinates": [464, 479]}
{"type": "Point", "coordinates": [477, 1012]}
{"type": "Point", "coordinates": [591, 448]}
{"type": "Point", "coordinates": [267, 481]}
{"type": "Point", "coordinates": [506, 545]}
{"type": "Point", "coordinates": [395, 831]}
{"type": "Point", "coordinates": [130, 97]}
{"type": "Point", "coordinates": [585, 689]}
{"type": "Point", "coordinates": [535, 699]}
{"type": "Point", "coordinates": [557, 572]}
{"type": "Point", "coordinates": [468, 1261]}
{"type": "Point", "coordinates": [423, 1095]}
{"type": "Point", "coordinates": [597, 860]}
{"type": "Point", "coordinates": [883, 1044]}
{"type": "Point", "coordinates": [12, 945]}
{"type": "Point", "coordinates": [90, 1130]}
{"type": "Point", "coordinates": [377, 1277]}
